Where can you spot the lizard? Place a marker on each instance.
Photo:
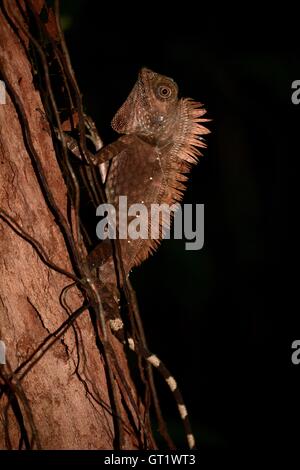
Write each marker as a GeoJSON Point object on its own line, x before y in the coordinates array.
{"type": "Point", "coordinates": [161, 137]}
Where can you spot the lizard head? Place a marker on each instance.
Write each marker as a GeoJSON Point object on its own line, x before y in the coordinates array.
{"type": "Point", "coordinates": [151, 108]}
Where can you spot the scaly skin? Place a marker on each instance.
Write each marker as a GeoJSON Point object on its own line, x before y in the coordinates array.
{"type": "Point", "coordinates": [161, 136]}
{"type": "Point", "coordinates": [151, 160]}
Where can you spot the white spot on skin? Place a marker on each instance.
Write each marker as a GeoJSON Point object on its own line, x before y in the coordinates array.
{"type": "Point", "coordinates": [116, 324]}
{"type": "Point", "coordinates": [131, 344]}
{"type": "Point", "coordinates": [182, 411]}
{"type": "Point", "coordinates": [153, 360]}
{"type": "Point", "coordinates": [172, 383]}
{"type": "Point", "coordinates": [150, 178]}
{"type": "Point", "coordinates": [191, 441]}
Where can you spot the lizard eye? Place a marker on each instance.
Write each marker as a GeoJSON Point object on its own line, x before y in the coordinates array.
{"type": "Point", "coordinates": [164, 92]}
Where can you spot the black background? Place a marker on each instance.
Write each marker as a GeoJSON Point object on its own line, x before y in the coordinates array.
{"type": "Point", "coordinates": [219, 317]}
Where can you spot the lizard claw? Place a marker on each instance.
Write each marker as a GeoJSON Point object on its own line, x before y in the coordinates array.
{"type": "Point", "coordinates": [92, 134]}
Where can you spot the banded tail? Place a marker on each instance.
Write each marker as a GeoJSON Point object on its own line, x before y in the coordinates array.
{"type": "Point", "coordinates": [116, 326]}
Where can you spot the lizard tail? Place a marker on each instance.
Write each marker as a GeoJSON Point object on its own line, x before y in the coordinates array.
{"type": "Point", "coordinates": [117, 329]}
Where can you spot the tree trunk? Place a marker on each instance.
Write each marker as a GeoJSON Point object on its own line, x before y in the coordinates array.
{"type": "Point", "coordinates": [61, 398]}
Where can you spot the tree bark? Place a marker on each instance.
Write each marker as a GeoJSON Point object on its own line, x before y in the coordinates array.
{"type": "Point", "coordinates": [56, 403]}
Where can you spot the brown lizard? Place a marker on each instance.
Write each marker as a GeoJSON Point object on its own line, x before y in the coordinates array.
{"type": "Point", "coordinates": [161, 136]}
{"type": "Point", "coordinates": [151, 160]}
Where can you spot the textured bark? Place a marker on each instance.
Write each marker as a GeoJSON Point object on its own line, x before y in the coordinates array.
{"type": "Point", "coordinates": [57, 410]}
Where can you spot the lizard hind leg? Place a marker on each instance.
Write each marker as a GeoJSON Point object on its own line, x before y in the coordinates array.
{"type": "Point", "coordinates": [101, 259]}
{"type": "Point", "coordinates": [100, 254]}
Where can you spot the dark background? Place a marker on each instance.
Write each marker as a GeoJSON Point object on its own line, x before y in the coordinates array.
{"type": "Point", "coordinates": [219, 317]}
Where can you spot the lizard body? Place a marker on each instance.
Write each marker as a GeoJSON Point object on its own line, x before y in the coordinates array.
{"type": "Point", "coordinates": [150, 162]}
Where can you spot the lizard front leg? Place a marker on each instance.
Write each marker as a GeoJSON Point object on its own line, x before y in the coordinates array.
{"type": "Point", "coordinates": [103, 155]}
{"type": "Point", "coordinates": [111, 150]}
